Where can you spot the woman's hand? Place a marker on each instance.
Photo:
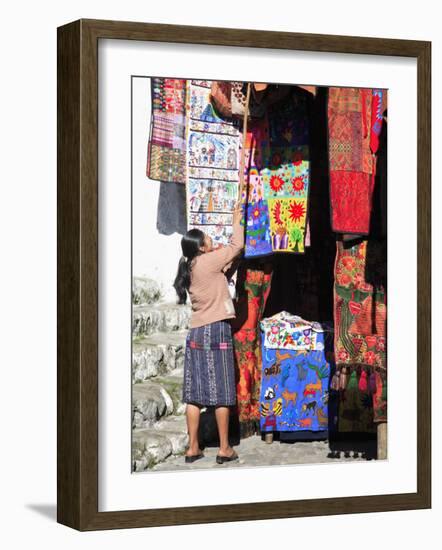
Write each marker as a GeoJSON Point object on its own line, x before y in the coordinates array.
{"type": "Point", "coordinates": [237, 213]}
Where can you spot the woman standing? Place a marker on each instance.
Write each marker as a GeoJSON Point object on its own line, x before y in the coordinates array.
{"type": "Point", "coordinates": [209, 372]}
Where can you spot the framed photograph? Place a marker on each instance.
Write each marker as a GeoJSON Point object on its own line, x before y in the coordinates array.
{"type": "Point", "coordinates": [233, 226]}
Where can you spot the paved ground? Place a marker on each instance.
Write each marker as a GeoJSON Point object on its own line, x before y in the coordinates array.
{"type": "Point", "coordinates": [253, 451]}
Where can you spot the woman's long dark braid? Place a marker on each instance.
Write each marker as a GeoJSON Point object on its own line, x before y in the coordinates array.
{"type": "Point", "coordinates": [190, 245]}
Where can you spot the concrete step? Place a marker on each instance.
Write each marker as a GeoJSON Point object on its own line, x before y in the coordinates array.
{"type": "Point", "coordinates": [145, 291]}
{"type": "Point", "coordinates": [157, 398]}
{"type": "Point", "coordinates": [151, 446]}
{"type": "Point", "coordinates": [159, 317]}
{"type": "Point", "coordinates": [157, 354]}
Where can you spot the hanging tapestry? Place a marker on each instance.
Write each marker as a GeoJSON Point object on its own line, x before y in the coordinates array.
{"type": "Point", "coordinates": [354, 122]}
{"type": "Point", "coordinates": [171, 210]}
{"type": "Point", "coordinates": [213, 146]}
{"type": "Point", "coordinates": [278, 178]}
{"type": "Point", "coordinates": [294, 387]}
{"type": "Point", "coordinates": [247, 344]}
{"type": "Point", "coordinates": [258, 238]}
{"type": "Point", "coordinates": [166, 156]}
{"type": "Point", "coordinates": [286, 172]}
{"type": "Point", "coordinates": [360, 314]}
{"type": "Point", "coordinates": [287, 331]}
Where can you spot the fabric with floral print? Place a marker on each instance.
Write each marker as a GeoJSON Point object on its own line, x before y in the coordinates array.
{"type": "Point", "coordinates": [360, 316]}
{"type": "Point", "coordinates": [287, 331]}
{"type": "Point", "coordinates": [277, 174]}
{"type": "Point", "coordinates": [246, 341]}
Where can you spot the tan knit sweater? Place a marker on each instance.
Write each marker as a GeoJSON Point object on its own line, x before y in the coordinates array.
{"type": "Point", "coordinates": [209, 292]}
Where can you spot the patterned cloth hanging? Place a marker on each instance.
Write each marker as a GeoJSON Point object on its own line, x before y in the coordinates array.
{"type": "Point", "coordinates": [278, 177]}
{"type": "Point", "coordinates": [166, 156]}
{"type": "Point", "coordinates": [354, 122]}
{"type": "Point", "coordinates": [213, 148]}
{"type": "Point", "coordinates": [246, 340]}
{"type": "Point", "coordinates": [294, 387]}
{"type": "Point", "coordinates": [287, 331]}
{"type": "Point", "coordinates": [360, 313]}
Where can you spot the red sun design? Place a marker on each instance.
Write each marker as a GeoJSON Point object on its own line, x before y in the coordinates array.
{"type": "Point", "coordinates": [296, 211]}
{"type": "Point", "coordinates": [276, 183]}
{"type": "Point", "coordinates": [277, 213]}
{"type": "Point", "coordinates": [298, 184]}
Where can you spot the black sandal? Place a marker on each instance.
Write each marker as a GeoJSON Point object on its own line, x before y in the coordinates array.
{"type": "Point", "coordinates": [221, 459]}
{"type": "Point", "coordinates": [192, 458]}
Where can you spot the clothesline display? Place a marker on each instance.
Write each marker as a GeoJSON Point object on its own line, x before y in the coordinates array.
{"type": "Point", "coordinates": [294, 382]}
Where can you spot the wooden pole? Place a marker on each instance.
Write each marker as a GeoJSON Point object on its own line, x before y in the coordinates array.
{"type": "Point", "coordinates": [382, 441]}
{"type": "Point", "coordinates": [244, 138]}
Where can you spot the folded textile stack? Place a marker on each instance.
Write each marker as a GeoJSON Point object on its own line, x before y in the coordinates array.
{"type": "Point", "coordinates": [287, 331]}
{"type": "Point", "coordinates": [296, 361]}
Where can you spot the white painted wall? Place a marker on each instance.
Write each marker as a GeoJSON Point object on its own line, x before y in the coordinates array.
{"type": "Point", "coordinates": [154, 255]}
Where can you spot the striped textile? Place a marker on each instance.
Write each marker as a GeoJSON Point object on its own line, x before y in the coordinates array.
{"type": "Point", "coordinates": [209, 371]}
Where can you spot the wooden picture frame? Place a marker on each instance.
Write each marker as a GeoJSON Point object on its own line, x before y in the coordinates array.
{"type": "Point", "coordinates": [77, 309]}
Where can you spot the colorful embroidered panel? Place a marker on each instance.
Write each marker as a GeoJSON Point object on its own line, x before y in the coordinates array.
{"type": "Point", "coordinates": [247, 343]}
{"type": "Point", "coordinates": [258, 238]}
{"type": "Point", "coordinates": [287, 331]}
{"type": "Point", "coordinates": [360, 309]}
{"type": "Point", "coordinates": [278, 177]}
{"type": "Point", "coordinates": [294, 387]}
{"type": "Point", "coordinates": [354, 121]}
{"type": "Point", "coordinates": [213, 146]}
{"type": "Point", "coordinates": [167, 145]}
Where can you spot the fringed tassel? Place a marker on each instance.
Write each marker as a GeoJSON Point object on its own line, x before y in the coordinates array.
{"type": "Point", "coordinates": [343, 378]}
{"type": "Point", "coordinates": [372, 383]}
{"type": "Point", "coordinates": [353, 381]}
{"type": "Point", "coordinates": [334, 384]}
{"type": "Point", "coordinates": [384, 389]}
{"type": "Point", "coordinates": [363, 382]}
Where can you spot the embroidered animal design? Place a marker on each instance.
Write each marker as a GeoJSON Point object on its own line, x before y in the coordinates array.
{"type": "Point", "coordinates": [276, 367]}
{"type": "Point", "coordinates": [289, 397]}
{"type": "Point", "coordinates": [311, 389]}
{"type": "Point", "coordinates": [304, 422]}
{"type": "Point", "coordinates": [270, 422]}
{"type": "Point", "coordinates": [302, 372]}
{"type": "Point", "coordinates": [270, 392]}
{"type": "Point", "coordinates": [275, 408]}
{"type": "Point", "coordinates": [306, 407]}
{"type": "Point", "coordinates": [322, 417]}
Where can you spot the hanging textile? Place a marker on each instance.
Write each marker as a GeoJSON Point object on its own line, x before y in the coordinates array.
{"type": "Point", "coordinates": [167, 147]}
{"type": "Point", "coordinates": [354, 122]}
{"type": "Point", "coordinates": [258, 237]}
{"type": "Point", "coordinates": [360, 313]}
{"type": "Point", "coordinates": [213, 148]}
{"type": "Point", "coordinates": [287, 331]}
{"type": "Point", "coordinates": [171, 210]}
{"type": "Point", "coordinates": [294, 387]}
{"type": "Point", "coordinates": [278, 176]}
{"type": "Point", "coordinates": [246, 341]}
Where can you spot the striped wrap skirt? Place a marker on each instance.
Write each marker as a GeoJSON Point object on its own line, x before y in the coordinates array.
{"type": "Point", "coordinates": [209, 369]}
